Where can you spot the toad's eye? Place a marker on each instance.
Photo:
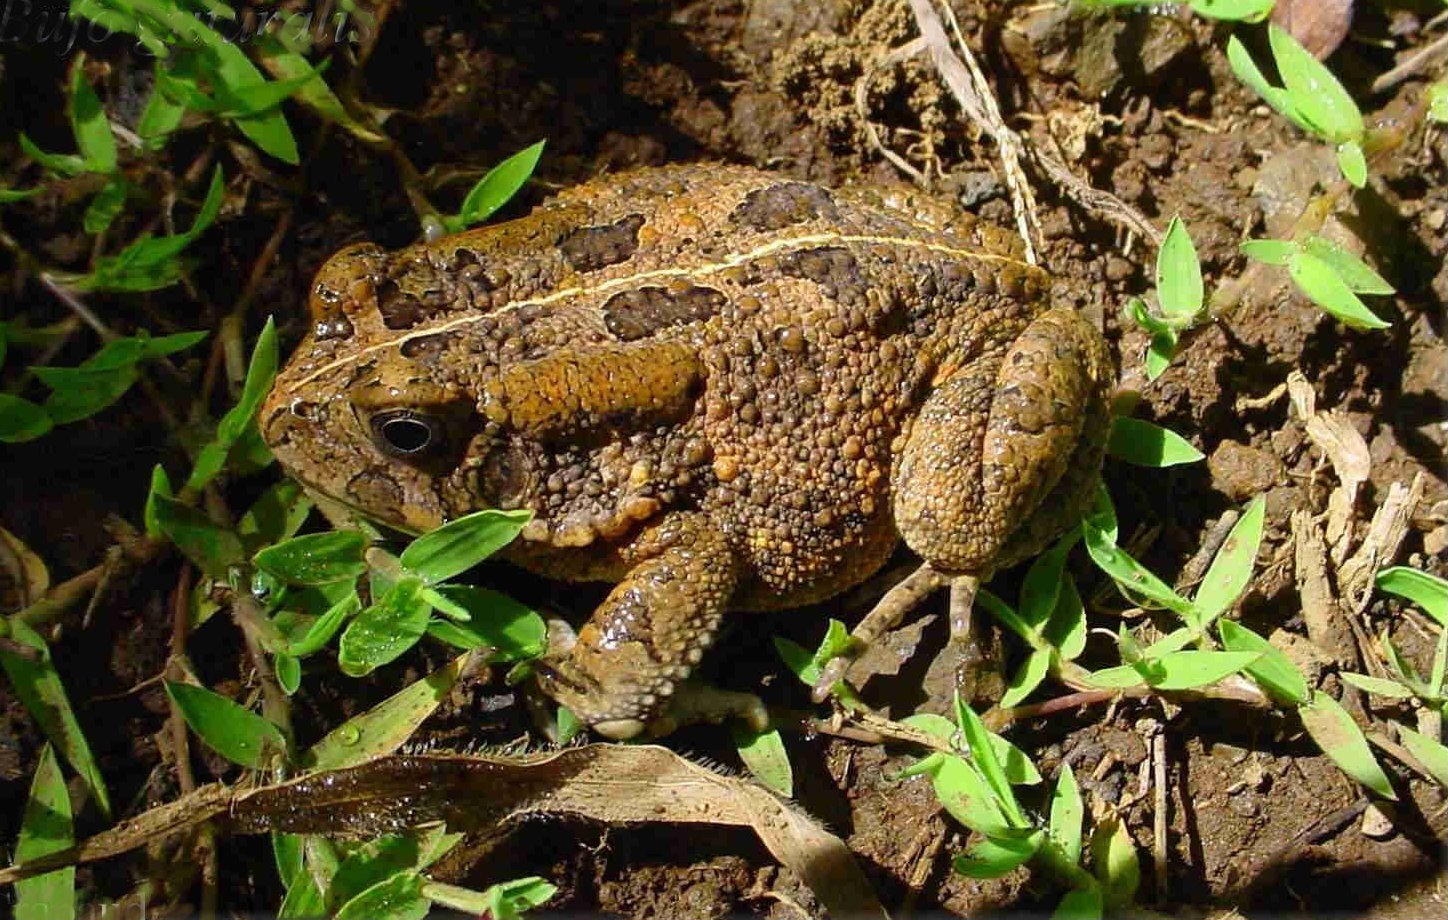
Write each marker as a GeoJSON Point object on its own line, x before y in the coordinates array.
{"type": "Point", "coordinates": [406, 433]}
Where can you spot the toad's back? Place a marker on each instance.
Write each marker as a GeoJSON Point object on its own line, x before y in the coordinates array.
{"type": "Point", "coordinates": [717, 387]}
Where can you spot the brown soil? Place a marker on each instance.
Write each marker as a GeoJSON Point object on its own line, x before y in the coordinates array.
{"type": "Point", "coordinates": [1144, 106]}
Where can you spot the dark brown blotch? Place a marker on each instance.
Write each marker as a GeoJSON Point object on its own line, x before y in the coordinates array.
{"type": "Point", "coordinates": [825, 265]}
{"type": "Point", "coordinates": [426, 348]}
{"type": "Point", "coordinates": [591, 248]}
{"type": "Point", "coordinates": [638, 313]}
{"type": "Point", "coordinates": [779, 206]}
{"type": "Point", "coordinates": [398, 309]}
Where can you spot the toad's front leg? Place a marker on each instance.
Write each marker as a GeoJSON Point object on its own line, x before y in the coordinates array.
{"type": "Point", "coordinates": [624, 674]}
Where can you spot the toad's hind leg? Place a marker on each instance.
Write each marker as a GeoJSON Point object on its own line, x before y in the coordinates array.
{"type": "Point", "coordinates": [995, 440]}
{"type": "Point", "coordinates": [1000, 460]}
{"type": "Point", "coordinates": [623, 676]}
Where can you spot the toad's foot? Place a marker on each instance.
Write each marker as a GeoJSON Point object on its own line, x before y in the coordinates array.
{"type": "Point", "coordinates": [892, 609]}
{"type": "Point", "coordinates": [630, 659]}
{"type": "Point", "coordinates": [691, 703]}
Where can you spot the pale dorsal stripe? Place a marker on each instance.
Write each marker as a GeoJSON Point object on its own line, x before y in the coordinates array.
{"type": "Point", "coordinates": [735, 260]}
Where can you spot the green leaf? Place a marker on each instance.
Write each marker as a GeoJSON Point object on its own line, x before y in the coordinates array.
{"type": "Point", "coordinates": [64, 164]}
{"type": "Point", "coordinates": [459, 545]}
{"type": "Point", "coordinates": [287, 854]}
{"type": "Point", "coordinates": [1145, 444]}
{"type": "Point", "coordinates": [1113, 855]}
{"type": "Point", "coordinates": [1159, 353]}
{"type": "Point", "coordinates": [1017, 766]}
{"type": "Point", "coordinates": [1246, 70]}
{"type": "Point", "coordinates": [1273, 671]}
{"type": "Point", "coordinates": [37, 685]}
{"type": "Point", "coordinates": [1024, 682]}
{"type": "Point", "coordinates": [1316, 94]}
{"type": "Point", "coordinates": [159, 118]}
{"type": "Point", "coordinates": [1439, 672]}
{"type": "Point", "coordinates": [233, 731]}
{"type": "Point", "coordinates": [276, 515]}
{"type": "Point", "coordinates": [374, 861]}
{"type": "Point", "coordinates": [1006, 614]}
{"type": "Point", "coordinates": [104, 207]}
{"type": "Point", "coordinates": [316, 558]}
{"type": "Point", "coordinates": [1378, 686]}
{"type": "Point", "coordinates": [398, 897]}
{"type": "Point", "coordinates": [269, 129]}
{"type": "Point", "coordinates": [1322, 284]}
{"type": "Point", "coordinates": [21, 420]}
{"type": "Point", "coordinates": [965, 794]}
{"type": "Point", "coordinates": [12, 195]}
{"type": "Point", "coordinates": [1080, 904]}
{"type": "Point", "coordinates": [385, 727]}
{"type": "Point", "coordinates": [212, 547]}
{"type": "Point", "coordinates": [1341, 739]}
{"type": "Point", "coordinates": [1130, 575]}
{"type": "Point", "coordinates": [1430, 753]}
{"type": "Point", "coordinates": [80, 392]}
{"type": "Point", "coordinates": [1186, 670]}
{"type": "Point", "coordinates": [1163, 336]}
{"type": "Point", "coordinates": [994, 857]}
{"type": "Point", "coordinates": [1102, 513]}
{"type": "Point", "coordinates": [1178, 273]}
{"type": "Point", "coordinates": [1438, 101]}
{"type": "Point", "coordinates": [1066, 629]}
{"type": "Point", "coordinates": [1401, 666]}
{"type": "Point", "coordinates": [1067, 812]}
{"type": "Point", "coordinates": [88, 120]}
{"type": "Point", "coordinates": [45, 828]}
{"type": "Point", "coordinates": [314, 93]}
{"type": "Point", "coordinates": [1120, 676]}
{"type": "Point", "coordinates": [1270, 252]}
{"type": "Point", "coordinates": [1231, 568]}
{"type": "Point", "coordinates": [503, 901]}
{"type": "Point", "coordinates": [260, 372]}
{"type": "Point", "coordinates": [1042, 585]}
{"type": "Point", "coordinates": [1353, 164]}
{"type": "Point", "coordinates": [497, 187]}
{"type": "Point", "coordinates": [383, 632]}
{"type": "Point", "coordinates": [1427, 591]}
{"type": "Point", "coordinates": [512, 630]}
{"type": "Point", "coordinates": [1174, 641]}
{"type": "Point", "coordinates": [324, 627]}
{"type": "Point", "coordinates": [983, 756]}
{"type": "Point", "coordinates": [765, 756]}
{"type": "Point", "coordinates": [289, 672]}
{"type": "Point", "coordinates": [1353, 271]}
{"type": "Point", "coordinates": [1233, 10]}
{"type": "Point", "coordinates": [798, 659]}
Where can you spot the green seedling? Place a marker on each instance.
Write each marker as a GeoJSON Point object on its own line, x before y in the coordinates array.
{"type": "Point", "coordinates": [1049, 617]}
{"type": "Point", "coordinates": [1144, 444]}
{"type": "Point", "coordinates": [1404, 683]}
{"type": "Point", "coordinates": [1329, 275]}
{"type": "Point", "coordinates": [31, 671]}
{"type": "Point", "coordinates": [1310, 97]}
{"type": "Point", "coordinates": [1438, 101]}
{"type": "Point", "coordinates": [233, 731]}
{"type": "Point", "coordinates": [386, 879]}
{"type": "Point", "coordinates": [975, 786]}
{"type": "Point", "coordinates": [1225, 10]}
{"type": "Point", "coordinates": [46, 828]}
{"type": "Point", "coordinates": [1179, 294]}
{"type": "Point", "coordinates": [495, 189]}
{"type": "Point", "coordinates": [199, 70]}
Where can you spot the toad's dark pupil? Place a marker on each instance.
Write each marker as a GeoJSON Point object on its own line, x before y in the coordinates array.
{"type": "Point", "coordinates": [407, 435]}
